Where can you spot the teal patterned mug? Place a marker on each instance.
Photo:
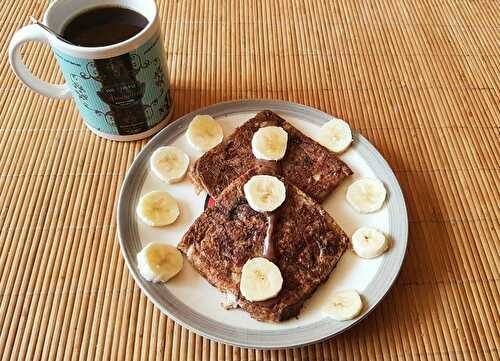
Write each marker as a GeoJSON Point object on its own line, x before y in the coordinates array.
{"type": "Point", "coordinates": [122, 90]}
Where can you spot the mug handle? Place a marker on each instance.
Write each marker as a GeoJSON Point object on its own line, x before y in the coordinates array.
{"type": "Point", "coordinates": [33, 32]}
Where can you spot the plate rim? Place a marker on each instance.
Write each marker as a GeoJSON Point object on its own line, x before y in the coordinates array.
{"type": "Point", "coordinates": [254, 338]}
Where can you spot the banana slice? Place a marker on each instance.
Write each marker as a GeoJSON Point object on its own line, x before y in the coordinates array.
{"type": "Point", "coordinates": [204, 133]}
{"type": "Point", "coordinates": [169, 164]}
{"type": "Point", "coordinates": [366, 195]}
{"type": "Point", "coordinates": [157, 209]}
{"type": "Point", "coordinates": [269, 143]}
{"type": "Point", "coordinates": [158, 262]}
{"type": "Point", "coordinates": [369, 242]}
{"type": "Point", "coordinates": [335, 135]}
{"type": "Point", "coordinates": [260, 280]}
{"type": "Point", "coordinates": [264, 193]}
{"type": "Point", "coordinates": [344, 305]}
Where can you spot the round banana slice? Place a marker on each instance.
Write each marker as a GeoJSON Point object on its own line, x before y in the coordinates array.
{"type": "Point", "coordinates": [335, 135]}
{"type": "Point", "coordinates": [260, 280]}
{"type": "Point", "coordinates": [157, 209]}
{"type": "Point", "coordinates": [204, 133]}
{"type": "Point", "coordinates": [264, 193]}
{"type": "Point", "coordinates": [269, 143]}
{"type": "Point", "coordinates": [158, 262]}
{"type": "Point", "coordinates": [369, 242]}
{"type": "Point", "coordinates": [343, 305]}
{"type": "Point", "coordinates": [169, 164]}
{"type": "Point", "coordinates": [366, 195]}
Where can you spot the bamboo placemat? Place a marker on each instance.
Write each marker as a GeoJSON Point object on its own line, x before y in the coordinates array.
{"type": "Point", "coordinates": [419, 78]}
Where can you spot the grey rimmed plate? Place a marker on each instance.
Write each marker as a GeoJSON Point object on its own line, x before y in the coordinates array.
{"type": "Point", "coordinates": [193, 303]}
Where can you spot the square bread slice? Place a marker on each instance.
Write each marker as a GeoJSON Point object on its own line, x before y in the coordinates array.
{"type": "Point", "coordinates": [307, 164]}
{"type": "Point", "coordinates": [308, 244]}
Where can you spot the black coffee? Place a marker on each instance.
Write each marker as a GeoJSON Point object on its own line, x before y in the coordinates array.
{"type": "Point", "coordinates": [104, 26]}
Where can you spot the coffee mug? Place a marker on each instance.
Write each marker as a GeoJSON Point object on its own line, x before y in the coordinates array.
{"type": "Point", "coordinates": [122, 90]}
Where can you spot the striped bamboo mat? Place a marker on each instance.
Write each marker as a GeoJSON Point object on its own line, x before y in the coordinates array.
{"type": "Point", "coordinates": [419, 78]}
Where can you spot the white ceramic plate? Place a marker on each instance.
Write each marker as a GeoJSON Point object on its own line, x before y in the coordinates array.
{"type": "Point", "coordinates": [195, 304]}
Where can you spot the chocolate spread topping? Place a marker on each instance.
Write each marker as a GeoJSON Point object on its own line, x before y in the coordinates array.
{"type": "Point", "coordinates": [269, 246]}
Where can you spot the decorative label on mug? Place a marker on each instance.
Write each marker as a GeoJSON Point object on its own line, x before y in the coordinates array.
{"type": "Point", "coordinates": [124, 95]}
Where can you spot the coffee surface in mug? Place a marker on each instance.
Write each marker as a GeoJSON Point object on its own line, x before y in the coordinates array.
{"type": "Point", "coordinates": [103, 26]}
